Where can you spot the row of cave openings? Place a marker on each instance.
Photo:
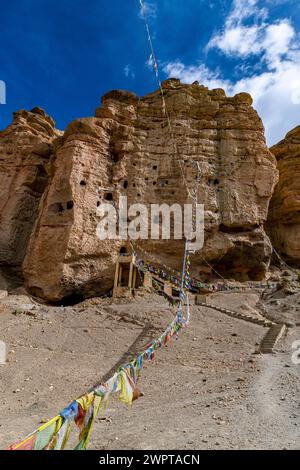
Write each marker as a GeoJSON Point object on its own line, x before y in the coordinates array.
{"type": "Point", "coordinates": [60, 207]}
{"type": "Point", "coordinates": [125, 185]}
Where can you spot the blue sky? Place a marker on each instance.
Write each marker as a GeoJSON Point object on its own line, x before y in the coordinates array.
{"type": "Point", "coordinates": [62, 55]}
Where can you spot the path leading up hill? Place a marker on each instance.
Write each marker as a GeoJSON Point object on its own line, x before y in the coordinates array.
{"type": "Point", "coordinates": [206, 390]}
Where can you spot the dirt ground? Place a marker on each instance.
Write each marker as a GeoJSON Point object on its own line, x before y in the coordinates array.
{"type": "Point", "coordinates": [206, 390]}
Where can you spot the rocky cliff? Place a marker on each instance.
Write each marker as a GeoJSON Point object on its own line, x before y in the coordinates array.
{"type": "Point", "coordinates": [26, 147]}
{"type": "Point", "coordinates": [284, 216]}
{"type": "Point", "coordinates": [127, 150]}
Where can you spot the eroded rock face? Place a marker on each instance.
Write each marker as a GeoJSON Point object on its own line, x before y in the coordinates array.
{"type": "Point", "coordinates": [64, 254]}
{"type": "Point", "coordinates": [284, 216]}
{"type": "Point", "coordinates": [25, 149]}
{"type": "Point", "coordinates": [127, 149]}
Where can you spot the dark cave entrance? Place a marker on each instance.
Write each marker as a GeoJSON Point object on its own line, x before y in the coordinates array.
{"type": "Point", "coordinates": [70, 300]}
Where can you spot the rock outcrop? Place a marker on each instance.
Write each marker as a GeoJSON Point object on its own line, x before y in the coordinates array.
{"type": "Point", "coordinates": [25, 149]}
{"type": "Point", "coordinates": [127, 149]}
{"type": "Point", "coordinates": [284, 215]}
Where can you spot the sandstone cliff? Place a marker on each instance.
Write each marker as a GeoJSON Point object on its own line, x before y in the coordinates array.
{"type": "Point", "coordinates": [126, 149]}
{"type": "Point", "coordinates": [284, 216]}
{"type": "Point", "coordinates": [25, 148]}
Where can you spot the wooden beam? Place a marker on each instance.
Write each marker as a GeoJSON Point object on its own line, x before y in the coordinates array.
{"type": "Point", "coordinates": [116, 275]}
{"type": "Point", "coordinates": [130, 275]}
{"type": "Point", "coordinates": [134, 278]}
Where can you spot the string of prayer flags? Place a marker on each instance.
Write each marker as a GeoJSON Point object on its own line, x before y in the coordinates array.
{"type": "Point", "coordinates": [193, 284]}
{"type": "Point", "coordinates": [27, 444]}
{"type": "Point", "coordinates": [62, 436]}
{"type": "Point", "coordinates": [55, 434]}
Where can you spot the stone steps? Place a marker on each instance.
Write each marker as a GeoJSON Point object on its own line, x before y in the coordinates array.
{"type": "Point", "coordinates": [241, 316]}
{"type": "Point", "coordinates": [269, 342]}
{"type": "Point", "coordinates": [274, 334]}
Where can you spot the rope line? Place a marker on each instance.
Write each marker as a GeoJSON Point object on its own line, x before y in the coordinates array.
{"type": "Point", "coordinates": [153, 56]}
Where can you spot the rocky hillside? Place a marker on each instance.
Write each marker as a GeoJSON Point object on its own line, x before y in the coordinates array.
{"type": "Point", "coordinates": [127, 149]}
{"type": "Point", "coordinates": [284, 215]}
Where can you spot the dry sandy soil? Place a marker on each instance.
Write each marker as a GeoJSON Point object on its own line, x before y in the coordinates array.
{"type": "Point", "coordinates": [206, 390]}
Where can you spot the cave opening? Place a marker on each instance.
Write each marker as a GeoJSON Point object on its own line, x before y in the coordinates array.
{"type": "Point", "coordinates": [71, 299]}
{"type": "Point", "coordinates": [56, 208]}
{"type": "Point", "coordinates": [115, 157]}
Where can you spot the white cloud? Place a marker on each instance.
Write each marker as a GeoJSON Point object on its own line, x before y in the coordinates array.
{"type": "Point", "coordinates": [239, 39]}
{"type": "Point", "coordinates": [276, 90]}
{"type": "Point", "coordinates": [277, 41]}
{"type": "Point", "coordinates": [128, 71]}
{"type": "Point", "coordinates": [235, 37]}
{"type": "Point", "coordinates": [192, 73]}
{"type": "Point", "coordinates": [245, 9]}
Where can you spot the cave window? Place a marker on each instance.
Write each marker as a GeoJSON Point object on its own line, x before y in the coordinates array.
{"type": "Point", "coordinates": [216, 181]}
{"type": "Point", "coordinates": [108, 197]}
{"type": "Point", "coordinates": [154, 167]}
{"type": "Point", "coordinates": [98, 203]}
{"type": "Point", "coordinates": [57, 207]}
{"type": "Point", "coordinates": [134, 164]}
{"type": "Point", "coordinates": [82, 183]}
{"type": "Point", "coordinates": [139, 195]}
{"type": "Point", "coordinates": [125, 184]}
{"type": "Point", "coordinates": [41, 170]}
{"type": "Point", "coordinates": [154, 183]}
{"type": "Point", "coordinates": [133, 185]}
{"type": "Point", "coordinates": [167, 182]}
{"type": "Point", "coordinates": [70, 205]}
{"type": "Point", "coordinates": [115, 157]}
{"type": "Point", "coordinates": [123, 250]}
